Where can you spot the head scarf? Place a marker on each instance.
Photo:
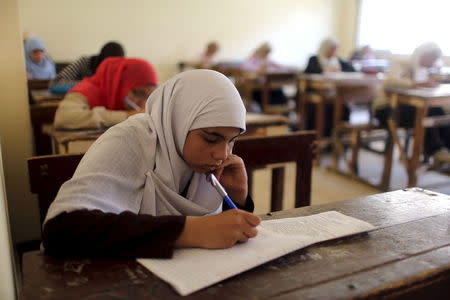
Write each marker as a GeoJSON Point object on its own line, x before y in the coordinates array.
{"type": "Point", "coordinates": [328, 62]}
{"type": "Point", "coordinates": [191, 100]}
{"type": "Point", "coordinates": [108, 50]}
{"type": "Point", "coordinates": [42, 70]}
{"type": "Point", "coordinates": [114, 78]}
{"type": "Point", "coordinates": [152, 144]}
{"type": "Point", "coordinates": [421, 73]}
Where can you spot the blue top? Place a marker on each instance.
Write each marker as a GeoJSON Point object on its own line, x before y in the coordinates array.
{"type": "Point", "coordinates": [43, 70]}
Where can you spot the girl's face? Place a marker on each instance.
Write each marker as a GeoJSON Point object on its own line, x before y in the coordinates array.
{"type": "Point", "coordinates": [205, 149]}
{"type": "Point", "coordinates": [331, 51]}
{"type": "Point", "coordinates": [37, 56]}
{"type": "Point", "coordinates": [139, 96]}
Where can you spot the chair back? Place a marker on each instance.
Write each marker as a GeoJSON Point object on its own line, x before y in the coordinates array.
{"type": "Point", "coordinates": [298, 147]}
{"type": "Point", "coordinates": [47, 174]}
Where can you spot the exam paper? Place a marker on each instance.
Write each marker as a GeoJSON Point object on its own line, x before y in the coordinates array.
{"type": "Point", "coordinates": [193, 269]}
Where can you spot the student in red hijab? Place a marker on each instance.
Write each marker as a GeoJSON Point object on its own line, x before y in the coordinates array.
{"type": "Point", "coordinates": [119, 88]}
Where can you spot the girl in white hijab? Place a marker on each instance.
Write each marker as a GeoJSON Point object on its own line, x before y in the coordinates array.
{"type": "Point", "coordinates": [415, 72]}
{"type": "Point", "coordinates": [140, 190]}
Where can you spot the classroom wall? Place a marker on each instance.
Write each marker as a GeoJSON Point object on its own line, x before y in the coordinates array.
{"type": "Point", "coordinates": [15, 128]}
{"type": "Point", "coordinates": [167, 31]}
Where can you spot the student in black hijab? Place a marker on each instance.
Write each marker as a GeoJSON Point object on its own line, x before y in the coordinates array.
{"type": "Point", "coordinates": [85, 66]}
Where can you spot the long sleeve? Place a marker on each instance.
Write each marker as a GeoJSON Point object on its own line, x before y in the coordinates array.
{"type": "Point", "coordinates": [74, 113]}
{"type": "Point", "coordinates": [73, 73]}
{"type": "Point", "coordinates": [93, 233]}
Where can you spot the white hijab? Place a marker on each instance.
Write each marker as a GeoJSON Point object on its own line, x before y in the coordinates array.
{"type": "Point", "coordinates": [138, 165]}
{"type": "Point", "coordinates": [421, 73]}
{"type": "Point", "coordinates": [191, 100]}
{"type": "Point", "coordinates": [328, 62]}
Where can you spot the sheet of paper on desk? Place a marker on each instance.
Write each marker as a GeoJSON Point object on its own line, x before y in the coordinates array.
{"type": "Point", "coordinates": [193, 269]}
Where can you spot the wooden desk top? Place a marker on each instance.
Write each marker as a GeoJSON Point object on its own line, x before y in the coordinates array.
{"type": "Point", "coordinates": [44, 96]}
{"type": "Point", "coordinates": [407, 257]}
{"type": "Point", "coordinates": [441, 91]}
{"type": "Point", "coordinates": [345, 78]}
{"type": "Point", "coordinates": [254, 119]}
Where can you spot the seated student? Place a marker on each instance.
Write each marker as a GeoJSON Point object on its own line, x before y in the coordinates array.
{"type": "Point", "coordinates": [207, 60]}
{"type": "Point", "coordinates": [38, 64]}
{"type": "Point", "coordinates": [415, 72]}
{"type": "Point", "coordinates": [141, 190]}
{"type": "Point", "coordinates": [119, 88]}
{"type": "Point", "coordinates": [327, 61]}
{"type": "Point", "coordinates": [260, 62]}
{"type": "Point", "coordinates": [363, 53]}
{"type": "Point", "coordinates": [85, 66]}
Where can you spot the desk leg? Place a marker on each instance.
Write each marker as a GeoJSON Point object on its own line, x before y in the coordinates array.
{"type": "Point", "coordinates": [277, 188]}
{"type": "Point", "coordinates": [418, 144]}
{"type": "Point", "coordinates": [337, 117]}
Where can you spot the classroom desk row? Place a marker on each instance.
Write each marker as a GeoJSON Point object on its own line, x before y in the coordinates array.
{"type": "Point", "coordinates": [406, 257]}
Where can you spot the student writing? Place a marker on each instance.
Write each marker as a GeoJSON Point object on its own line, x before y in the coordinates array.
{"type": "Point", "coordinates": [141, 190]}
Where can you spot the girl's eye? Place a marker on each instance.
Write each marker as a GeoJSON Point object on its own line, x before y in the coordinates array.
{"type": "Point", "coordinates": [210, 141]}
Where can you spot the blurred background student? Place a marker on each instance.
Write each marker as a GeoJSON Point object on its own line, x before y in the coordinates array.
{"type": "Point", "coordinates": [326, 59]}
{"type": "Point", "coordinates": [208, 58]}
{"type": "Point", "coordinates": [85, 66]}
{"type": "Point", "coordinates": [38, 64]}
{"type": "Point", "coordinates": [416, 72]}
{"type": "Point", "coordinates": [260, 62]}
{"type": "Point", "coordinates": [119, 88]}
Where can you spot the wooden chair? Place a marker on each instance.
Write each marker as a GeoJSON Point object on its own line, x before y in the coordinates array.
{"type": "Point", "coordinates": [38, 84]}
{"type": "Point", "coordinates": [41, 114]}
{"type": "Point", "coordinates": [47, 174]}
{"type": "Point", "coordinates": [298, 147]}
{"type": "Point", "coordinates": [277, 80]}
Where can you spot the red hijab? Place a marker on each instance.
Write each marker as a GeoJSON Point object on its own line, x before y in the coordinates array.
{"type": "Point", "coordinates": [113, 79]}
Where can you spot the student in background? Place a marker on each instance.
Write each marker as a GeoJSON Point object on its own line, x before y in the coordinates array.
{"type": "Point", "coordinates": [38, 64]}
{"type": "Point", "coordinates": [363, 53]}
{"type": "Point", "coordinates": [85, 66]}
{"type": "Point", "coordinates": [411, 73]}
{"type": "Point", "coordinates": [327, 61]}
{"type": "Point", "coordinates": [207, 60]}
{"type": "Point", "coordinates": [118, 89]}
{"type": "Point", "coordinates": [260, 62]}
{"type": "Point", "coordinates": [141, 190]}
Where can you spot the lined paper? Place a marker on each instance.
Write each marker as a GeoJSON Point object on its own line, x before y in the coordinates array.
{"type": "Point", "coordinates": [193, 269]}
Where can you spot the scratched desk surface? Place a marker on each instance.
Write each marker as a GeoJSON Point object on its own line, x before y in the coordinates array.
{"type": "Point", "coordinates": [407, 257]}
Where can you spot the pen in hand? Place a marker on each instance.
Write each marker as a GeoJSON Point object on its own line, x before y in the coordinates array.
{"type": "Point", "coordinates": [219, 188]}
{"type": "Point", "coordinates": [132, 104]}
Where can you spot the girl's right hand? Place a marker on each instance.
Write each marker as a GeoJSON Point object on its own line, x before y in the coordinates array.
{"type": "Point", "coordinates": [218, 231]}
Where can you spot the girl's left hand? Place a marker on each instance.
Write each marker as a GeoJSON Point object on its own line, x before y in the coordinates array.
{"type": "Point", "coordinates": [233, 176]}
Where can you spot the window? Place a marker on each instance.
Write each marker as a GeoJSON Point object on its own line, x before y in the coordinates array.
{"type": "Point", "coordinates": [401, 25]}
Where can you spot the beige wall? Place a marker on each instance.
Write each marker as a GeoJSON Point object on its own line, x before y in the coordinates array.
{"type": "Point", "coordinates": [166, 31]}
{"type": "Point", "coordinates": [346, 22]}
{"type": "Point", "coordinates": [15, 131]}
{"type": "Point", "coordinates": [7, 289]}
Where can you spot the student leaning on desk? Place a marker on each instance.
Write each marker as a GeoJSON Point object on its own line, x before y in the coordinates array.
{"type": "Point", "coordinates": [85, 66]}
{"type": "Point", "coordinates": [118, 89]}
{"type": "Point", "coordinates": [415, 73]}
{"type": "Point", "coordinates": [141, 190]}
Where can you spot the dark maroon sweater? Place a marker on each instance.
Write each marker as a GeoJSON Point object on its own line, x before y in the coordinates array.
{"type": "Point", "coordinates": [93, 233]}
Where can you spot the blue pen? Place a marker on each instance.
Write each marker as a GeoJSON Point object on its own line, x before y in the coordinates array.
{"type": "Point", "coordinates": [219, 188]}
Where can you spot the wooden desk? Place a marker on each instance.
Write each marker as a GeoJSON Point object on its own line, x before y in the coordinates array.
{"type": "Point", "coordinates": [407, 257]}
{"type": "Point", "coordinates": [78, 141]}
{"type": "Point", "coordinates": [337, 88]}
{"type": "Point", "coordinates": [40, 115]}
{"type": "Point", "coordinates": [421, 99]}
{"type": "Point", "coordinates": [44, 95]}
{"type": "Point", "coordinates": [265, 82]}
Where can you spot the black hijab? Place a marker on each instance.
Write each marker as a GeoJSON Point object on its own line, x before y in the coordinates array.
{"type": "Point", "coordinates": [108, 50]}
